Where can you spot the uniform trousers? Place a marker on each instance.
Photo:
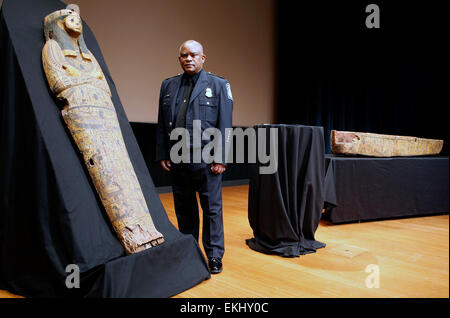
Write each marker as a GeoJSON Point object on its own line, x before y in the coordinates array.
{"type": "Point", "coordinates": [187, 180]}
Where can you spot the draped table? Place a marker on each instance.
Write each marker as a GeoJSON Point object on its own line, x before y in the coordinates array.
{"type": "Point", "coordinates": [284, 207]}
{"type": "Point", "coordinates": [369, 188]}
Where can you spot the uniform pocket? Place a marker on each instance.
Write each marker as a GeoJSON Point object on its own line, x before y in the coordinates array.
{"type": "Point", "coordinates": [209, 109]}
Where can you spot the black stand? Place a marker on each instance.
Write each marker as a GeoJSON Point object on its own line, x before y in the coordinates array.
{"type": "Point", "coordinates": [50, 215]}
{"type": "Point", "coordinates": [284, 208]}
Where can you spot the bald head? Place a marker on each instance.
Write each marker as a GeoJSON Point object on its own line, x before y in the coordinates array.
{"type": "Point", "coordinates": [191, 44]}
{"type": "Point", "coordinates": [191, 57]}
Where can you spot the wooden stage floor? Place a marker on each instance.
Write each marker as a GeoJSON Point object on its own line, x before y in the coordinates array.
{"type": "Point", "coordinates": [410, 254]}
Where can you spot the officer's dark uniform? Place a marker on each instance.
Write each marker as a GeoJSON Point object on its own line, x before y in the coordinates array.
{"type": "Point", "coordinates": [211, 102]}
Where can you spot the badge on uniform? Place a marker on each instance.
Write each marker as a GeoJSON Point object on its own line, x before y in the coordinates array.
{"type": "Point", "coordinates": [208, 92]}
{"type": "Point", "coordinates": [230, 96]}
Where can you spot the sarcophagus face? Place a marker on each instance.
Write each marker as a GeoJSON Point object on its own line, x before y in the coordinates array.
{"type": "Point", "coordinates": [77, 79]}
{"type": "Point", "coordinates": [377, 145]}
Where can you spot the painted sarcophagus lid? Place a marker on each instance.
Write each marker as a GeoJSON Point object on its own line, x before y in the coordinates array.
{"type": "Point", "coordinates": [377, 145]}
{"type": "Point", "coordinates": [76, 78]}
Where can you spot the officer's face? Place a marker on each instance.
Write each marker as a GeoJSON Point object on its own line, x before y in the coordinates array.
{"type": "Point", "coordinates": [191, 58]}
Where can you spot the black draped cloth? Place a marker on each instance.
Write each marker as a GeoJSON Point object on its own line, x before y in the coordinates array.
{"type": "Point", "coordinates": [50, 214]}
{"type": "Point", "coordinates": [368, 188]}
{"type": "Point", "coordinates": [284, 208]}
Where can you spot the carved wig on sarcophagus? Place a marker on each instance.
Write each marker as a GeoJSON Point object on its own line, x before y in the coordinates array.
{"type": "Point", "coordinates": [76, 78]}
{"type": "Point", "coordinates": [377, 145]}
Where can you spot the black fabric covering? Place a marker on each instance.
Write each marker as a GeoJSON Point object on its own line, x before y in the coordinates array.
{"type": "Point", "coordinates": [367, 188]}
{"type": "Point", "coordinates": [50, 215]}
{"type": "Point", "coordinates": [284, 208]}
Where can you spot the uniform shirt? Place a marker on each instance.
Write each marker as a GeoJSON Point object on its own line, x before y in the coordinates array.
{"type": "Point", "coordinates": [184, 83]}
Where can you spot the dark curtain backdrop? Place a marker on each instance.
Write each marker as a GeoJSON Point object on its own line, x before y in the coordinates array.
{"type": "Point", "coordinates": [336, 73]}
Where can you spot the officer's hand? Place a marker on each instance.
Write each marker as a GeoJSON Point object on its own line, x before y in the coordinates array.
{"type": "Point", "coordinates": [218, 168]}
{"type": "Point", "coordinates": [165, 164]}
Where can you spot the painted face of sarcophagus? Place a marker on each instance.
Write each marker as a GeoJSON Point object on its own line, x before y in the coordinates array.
{"type": "Point", "coordinates": [76, 78]}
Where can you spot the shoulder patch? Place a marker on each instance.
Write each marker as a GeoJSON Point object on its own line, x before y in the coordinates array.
{"type": "Point", "coordinates": [230, 96]}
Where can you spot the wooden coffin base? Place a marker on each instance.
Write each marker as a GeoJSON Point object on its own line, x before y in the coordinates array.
{"type": "Point", "coordinates": [376, 145]}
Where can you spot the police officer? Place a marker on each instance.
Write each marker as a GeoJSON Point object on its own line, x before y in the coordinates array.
{"type": "Point", "coordinates": [198, 96]}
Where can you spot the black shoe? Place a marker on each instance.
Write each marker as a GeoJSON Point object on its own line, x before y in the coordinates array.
{"type": "Point", "coordinates": [215, 265]}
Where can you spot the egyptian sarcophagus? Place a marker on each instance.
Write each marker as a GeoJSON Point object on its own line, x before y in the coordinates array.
{"type": "Point", "coordinates": [377, 145]}
{"type": "Point", "coordinates": [76, 78]}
